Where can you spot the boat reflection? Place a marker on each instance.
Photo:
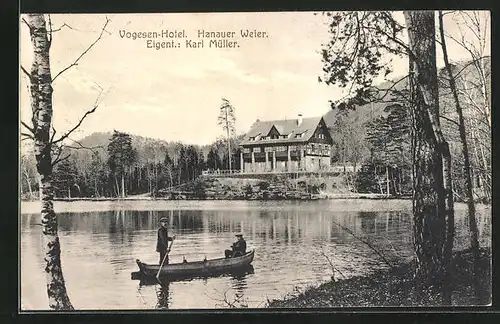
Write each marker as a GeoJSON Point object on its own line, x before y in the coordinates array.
{"type": "Point", "coordinates": [238, 275]}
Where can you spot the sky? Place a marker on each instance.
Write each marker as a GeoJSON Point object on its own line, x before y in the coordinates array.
{"type": "Point", "coordinates": [174, 94]}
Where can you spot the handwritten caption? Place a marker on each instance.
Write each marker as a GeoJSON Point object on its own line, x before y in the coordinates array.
{"type": "Point", "coordinates": [178, 38]}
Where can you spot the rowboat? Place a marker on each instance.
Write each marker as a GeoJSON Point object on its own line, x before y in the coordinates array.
{"type": "Point", "coordinates": [197, 268]}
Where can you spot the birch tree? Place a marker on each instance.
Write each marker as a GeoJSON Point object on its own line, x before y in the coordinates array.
{"type": "Point", "coordinates": [42, 133]}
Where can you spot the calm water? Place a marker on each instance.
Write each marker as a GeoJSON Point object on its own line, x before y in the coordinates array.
{"type": "Point", "coordinates": [101, 240]}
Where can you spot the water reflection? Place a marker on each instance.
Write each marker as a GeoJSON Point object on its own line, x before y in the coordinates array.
{"type": "Point", "coordinates": [99, 250]}
{"type": "Point", "coordinates": [162, 295]}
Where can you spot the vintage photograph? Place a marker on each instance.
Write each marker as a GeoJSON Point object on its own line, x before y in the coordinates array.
{"type": "Point", "coordinates": [179, 161]}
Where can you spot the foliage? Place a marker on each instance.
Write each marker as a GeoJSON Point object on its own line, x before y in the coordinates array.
{"type": "Point", "coordinates": [121, 156]}
{"type": "Point", "coordinates": [357, 52]}
{"type": "Point", "coordinates": [65, 178]}
{"type": "Point", "coordinates": [365, 181]}
{"type": "Point", "coordinates": [349, 142]}
{"type": "Point", "coordinates": [213, 160]}
{"type": "Point", "coordinates": [157, 164]}
{"type": "Point", "coordinates": [263, 185]}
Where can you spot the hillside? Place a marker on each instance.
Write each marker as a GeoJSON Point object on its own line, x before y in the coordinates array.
{"type": "Point", "coordinates": [365, 113]}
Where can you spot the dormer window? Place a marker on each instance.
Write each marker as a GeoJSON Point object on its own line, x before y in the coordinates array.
{"type": "Point", "coordinates": [252, 138]}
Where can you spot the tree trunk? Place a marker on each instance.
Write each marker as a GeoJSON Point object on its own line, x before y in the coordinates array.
{"type": "Point", "coordinates": [96, 190]}
{"type": "Point", "coordinates": [467, 169]}
{"type": "Point", "coordinates": [123, 184]}
{"type": "Point", "coordinates": [28, 182]}
{"type": "Point", "coordinates": [170, 176]}
{"type": "Point", "coordinates": [117, 187]}
{"type": "Point", "coordinates": [41, 104]}
{"type": "Point", "coordinates": [432, 192]}
{"type": "Point", "coordinates": [228, 140]}
{"type": "Point", "coordinates": [387, 179]}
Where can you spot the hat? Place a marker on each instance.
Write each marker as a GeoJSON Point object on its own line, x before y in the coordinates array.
{"type": "Point", "coordinates": [239, 234]}
{"type": "Point", "coordinates": [163, 219]}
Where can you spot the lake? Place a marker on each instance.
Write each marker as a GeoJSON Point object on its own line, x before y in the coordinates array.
{"type": "Point", "coordinates": [293, 242]}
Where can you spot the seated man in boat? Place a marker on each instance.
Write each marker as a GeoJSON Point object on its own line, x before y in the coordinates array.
{"type": "Point", "coordinates": [163, 239]}
{"type": "Point", "coordinates": [238, 248]}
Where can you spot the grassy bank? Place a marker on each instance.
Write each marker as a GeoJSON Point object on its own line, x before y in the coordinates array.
{"type": "Point", "coordinates": [395, 287]}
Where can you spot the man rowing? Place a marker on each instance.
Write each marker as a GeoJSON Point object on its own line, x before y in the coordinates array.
{"type": "Point", "coordinates": [163, 239]}
{"type": "Point", "coordinates": [238, 248]}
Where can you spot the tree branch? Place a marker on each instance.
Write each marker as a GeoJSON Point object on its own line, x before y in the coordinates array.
{"type": "Point", "coordinates": [63, 25]}
{"type": "Point", "coordinates": [57, 160]}
{"type": "Point", "coordinates": [450, 120]}
{"type": "Point", "coordinates": [53, 134]}
{"type": "Point", "coordinates": [81, 146]}
{"type": "Point", "coordinates": [63, 137]}
{"type": "Point", "coordinates": [367, 244]}
{"type": "Point", "coordinates": [58, 154]}
{"type": "Point", "coordinates": [84, 52]}
{"type": "Point", "coordinates": [26, 136]}
{"type": "Point", "coordinates": [391, 87]}
{"type": "Point", "coordinates": [29, 26]}
{"type": "Point", "coordinates": [26, 72]}
{"type": "Point", "coordinates": [29, 128]}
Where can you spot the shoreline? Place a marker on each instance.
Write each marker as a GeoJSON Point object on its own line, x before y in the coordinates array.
{"type": "Point", "coordinates": [394, 288]}
{"type": "Point", "coordinates": [313, 198]}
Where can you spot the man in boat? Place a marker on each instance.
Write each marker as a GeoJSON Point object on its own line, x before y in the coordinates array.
{"type": "Point", "coordinates": [238, 248]}
{"type": "Point", "coordinates": [163, 239]}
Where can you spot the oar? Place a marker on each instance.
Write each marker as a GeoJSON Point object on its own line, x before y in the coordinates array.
{"type": "Point", "coordinates": [163, 261]}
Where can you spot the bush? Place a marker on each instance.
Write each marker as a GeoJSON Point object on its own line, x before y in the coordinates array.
{"type": "Point", "coordinates": [199, 188]}
{"type": "Point", "coordinates": [263, 185]}
{"type": "Point", "coordinates": [365, 181]}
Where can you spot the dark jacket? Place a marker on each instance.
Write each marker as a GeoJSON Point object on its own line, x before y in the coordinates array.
{"type": "Point", "coordinates": [163, 238]}
{"type": "Point", "coordinates": [240, 245]}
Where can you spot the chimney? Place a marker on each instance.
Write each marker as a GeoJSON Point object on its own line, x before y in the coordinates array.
{"type": "Point", "coordinates": [299, 120]}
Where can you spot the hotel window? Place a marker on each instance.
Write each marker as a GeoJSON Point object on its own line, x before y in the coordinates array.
{"type": "Point", "coordinates": [280, 148]}
{"type": "Point", "coordinates": [246, 150]}
{"type": "Point", "coordinates": [268, 149]}
{"type": "Point", "coordinates": [293, 148]}
{"type": "Point", "coordinates": [256, 149]}
{"type": "Point", "coordinates": [252, 138]}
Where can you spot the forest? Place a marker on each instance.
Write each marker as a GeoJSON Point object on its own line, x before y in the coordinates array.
{"type": "Point", "coordinates": [120, 164]}
{"type": "Point", "coordinates": [375, 135]}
